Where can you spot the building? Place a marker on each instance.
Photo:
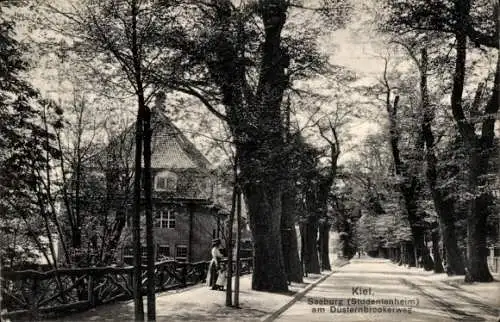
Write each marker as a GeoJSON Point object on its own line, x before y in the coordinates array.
{"type": "Point", "coordinates": [186, 218]}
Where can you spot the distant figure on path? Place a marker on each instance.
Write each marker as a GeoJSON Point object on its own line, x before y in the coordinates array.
{"type": "Point", "coordinates": [213, 267]}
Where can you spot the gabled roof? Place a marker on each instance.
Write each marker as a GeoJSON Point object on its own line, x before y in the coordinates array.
{"type": "Point", "coordinates": [170, 148]}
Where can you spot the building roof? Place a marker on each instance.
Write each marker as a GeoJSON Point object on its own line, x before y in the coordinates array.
{"type": "Point", "coordinates": [170, 148]}
{"type": "Point", "coordinates": [171, 151]}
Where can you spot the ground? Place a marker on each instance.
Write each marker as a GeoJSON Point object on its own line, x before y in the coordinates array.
{"type": "Point", "coordinates": [421, 296]}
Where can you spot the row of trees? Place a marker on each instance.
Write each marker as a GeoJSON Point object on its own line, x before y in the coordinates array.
{"type": "Point", "coordinates": [443, 164]}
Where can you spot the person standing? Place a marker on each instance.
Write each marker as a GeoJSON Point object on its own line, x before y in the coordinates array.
{"type": "Point", "coordinates": [213, 267]}
{"type": "Point", "coordinates": [221, 278]}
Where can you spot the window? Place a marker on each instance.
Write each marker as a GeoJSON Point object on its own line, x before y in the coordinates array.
{"type": "Point", "coordinates": [165, 219]}
{"type": "Point", "coordinates": [181, 252]}
{"type": "Point", "coordinates": [144, 255]}
{"type": "Point", "coordinates": [163, 252]}
{"type": "Point", "coordinates": [128, 255]}
{"type": "Point", "coordinates": [128, 251]}
{"type": "Point", "coordinates": [166, 181]}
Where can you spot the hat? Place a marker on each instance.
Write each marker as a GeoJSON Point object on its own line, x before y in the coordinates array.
{"type": "Point", "coordinates": [216, 242]}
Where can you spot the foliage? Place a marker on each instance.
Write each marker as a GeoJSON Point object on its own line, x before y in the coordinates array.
{"type": "Point", "coordinates": [370, 188]}
{"type": "Point", "coordinates": [425, 16]}
{"type": "Point", "coordinates": [26, 146]}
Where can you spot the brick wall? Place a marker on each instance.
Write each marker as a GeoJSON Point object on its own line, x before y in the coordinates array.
{"type": "Point", "coordinates": [204, 228]}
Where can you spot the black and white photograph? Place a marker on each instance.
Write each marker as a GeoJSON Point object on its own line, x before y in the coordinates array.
{"type": "Point", "coordinates": [249, 160]}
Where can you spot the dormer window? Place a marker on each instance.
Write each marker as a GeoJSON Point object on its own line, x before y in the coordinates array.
{"type": "Point", "coordinates": [166, 181]}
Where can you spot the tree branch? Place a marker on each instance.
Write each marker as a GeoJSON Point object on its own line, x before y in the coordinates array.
{"type": "Point", "coordinates": [189, 90]}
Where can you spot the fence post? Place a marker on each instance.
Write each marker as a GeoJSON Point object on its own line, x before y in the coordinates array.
{"type": "Point", "coordinates": [184, 274]}
{"type": "Point", "coordinates": [90, 291]}
{"type": "Point", "coordinates": [34, 299]}
{"type": "Point", "coordinates": [160, 273]}
{"type": "Point", "coordinates": [130, 282]}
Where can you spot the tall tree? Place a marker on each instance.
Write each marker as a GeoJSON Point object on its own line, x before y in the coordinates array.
{"type": "Point", "coordinates": [309, 221]}
{"type": "Point", "coordinates": [443, 204]}
{"type": "Point", "coordinates": [251, 68]}
{"type": "Point", "coordinates": [325, 185]}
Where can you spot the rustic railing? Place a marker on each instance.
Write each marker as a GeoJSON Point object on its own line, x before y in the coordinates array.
{"type": "Point", "coordinates": [33, 295]}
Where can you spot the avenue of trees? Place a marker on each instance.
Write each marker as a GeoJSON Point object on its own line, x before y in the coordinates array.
{"type": "Point", "coordinates": [439, 92]}
{"type": "Point", "coordinates": [428, 174]}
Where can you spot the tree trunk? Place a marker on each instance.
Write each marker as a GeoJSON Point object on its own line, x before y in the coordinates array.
{"type": "Point", "coordinates": [410, 249]}
{"type": "Point", "coordinates": [397, 250]}
{"type": "Point", "coordinates": [324, 240]}
{"type": "Point", "coordinates": [238, 248]}
{"type": "Point", "coordinates": [77, 229]}
{"type": "Point", "coordinates": [480, 206]}
{"type": "Point", "coordinates": [395, 255]}
{"type": "Point", "coordinates": [289, 237]}
{"type": "Point", "coordinates": [116, 233]}
{"type": "Point", "coordinates": [136, 231]}
{"type": "Point", "coordinates": [406, 258]}
{"type": "Point", "coordinates": [151, 304]}
{"type": "Point", "coordinates": [229, 239]}
{"type": "Point", "coordinates": [427, 261]}
{"type": "Point", "coordinates": [264, 209]}
{"type": "Point", "coordinates": [453, 256]}
{"type": "Point", "coordinates": [141, 115]}
{"type": "Point", "coordinates": [309, 233]}
{"type": "Point", "coordinates": [402, 254]}
{"type": "Point", "coordinates": [476, 244]}
{"type": "Point", "coordinates": [438, 266]}
{"type": "Point", "coordinates": [418, 249]}
{"type": "Point", "coordinates": [346, 247]}
{"type": "Point", "coordinates": [477, 250]}
{"type": "Point", "coordinates": [421, 251]}
{"type": "Point", "coordinates": [407, 254]}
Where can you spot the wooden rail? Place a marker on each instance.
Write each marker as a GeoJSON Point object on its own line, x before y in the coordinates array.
{"type": "Point", "coordinates": [32, 294]}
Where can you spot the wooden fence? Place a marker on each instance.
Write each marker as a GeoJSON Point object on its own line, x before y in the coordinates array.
{"type": "Point", "coordinates": [33, 295]}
